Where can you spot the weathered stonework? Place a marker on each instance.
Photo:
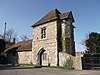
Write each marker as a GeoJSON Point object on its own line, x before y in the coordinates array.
{"type": "Point", "coordinates": [52, 43]}
{"type": "Point", "coordinates": [49, 44]}
{"type": "Point", "coordinates": [62, 58]}
{"type": "Point", "coordinates": [78, 61]}
{"type": "Point", "coordinates": [25, 57]}
{"type": "Point", "coordinates": [58, 28]}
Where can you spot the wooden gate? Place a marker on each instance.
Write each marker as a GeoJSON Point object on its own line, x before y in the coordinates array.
{"type": "Point", "coordinates": [91, 61]}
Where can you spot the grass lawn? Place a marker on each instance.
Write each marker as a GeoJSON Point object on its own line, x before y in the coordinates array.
{"type": "Point", "coordinates": [59, 67]}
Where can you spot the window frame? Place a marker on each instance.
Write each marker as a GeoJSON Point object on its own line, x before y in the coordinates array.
{"type": "Point", "coordinates": [43, 32]}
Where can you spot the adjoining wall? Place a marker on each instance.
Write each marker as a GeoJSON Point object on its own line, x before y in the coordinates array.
{"type": "Point", "coordinates": [62, 58]}
{"type": "Point", "coordinates": [78, 61]}
{"type": "Point", "coordinates": [25, 57]}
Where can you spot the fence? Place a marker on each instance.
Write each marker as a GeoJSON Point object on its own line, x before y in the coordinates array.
{"type": "Point", "coordinates": [90, 61]}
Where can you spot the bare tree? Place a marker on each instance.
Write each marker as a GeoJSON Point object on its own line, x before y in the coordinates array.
{"type": "Point", "coordinates": [24, 37]}
{"type": "Point", "coordinates": [9, 35]}
{"type": "Point", "coordinates": [1, 36]}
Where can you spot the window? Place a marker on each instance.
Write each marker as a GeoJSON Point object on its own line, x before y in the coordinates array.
{"type": "Point", "coordinates": [44, 56]}
{"type": "Point", "coordinates": [43, 32]}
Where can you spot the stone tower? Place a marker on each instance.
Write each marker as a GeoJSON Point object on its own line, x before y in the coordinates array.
{"type": "Point", "coordinates": [53, 38]}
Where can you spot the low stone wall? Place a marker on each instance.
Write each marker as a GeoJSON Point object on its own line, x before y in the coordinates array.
{"type": "Point", "coordinates": [25, 57]}
{"type": "Point", "coordinates": [78, 61]}
{"type": "Point", "coordinates": [62, 58]}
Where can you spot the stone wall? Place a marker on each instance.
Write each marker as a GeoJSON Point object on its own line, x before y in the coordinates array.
{"type": "Point", "coordinates": [78, 61]}
{"type": "Point", "coordinates": [68, 43]}
{"type": "Point", "coordinates": [62, 58]}
{"type": "Point", "coordinates": [25, 57]}
{"type": "Point", "coordinates": [49, 44]}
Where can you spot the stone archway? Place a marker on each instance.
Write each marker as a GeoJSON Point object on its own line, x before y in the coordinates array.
{"type": "Point", "coordinates": [41, 51]}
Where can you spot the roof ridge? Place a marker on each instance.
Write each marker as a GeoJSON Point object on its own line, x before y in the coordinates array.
{"type": "Point", "coordinates": [51, 15]}
{"type": "Point", "coordinates": [19, 44]}
{"type": "Point", "coordinates": [23, 41]}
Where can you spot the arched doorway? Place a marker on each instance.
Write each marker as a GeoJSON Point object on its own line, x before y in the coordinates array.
{"type": "Point", "coordinates": [43, 57]}
{"type": "Point", "coordinates": [41, 51]}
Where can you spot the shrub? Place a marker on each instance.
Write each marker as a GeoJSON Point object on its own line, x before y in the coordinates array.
{"type": "Point", "coordinates": [68, 64]}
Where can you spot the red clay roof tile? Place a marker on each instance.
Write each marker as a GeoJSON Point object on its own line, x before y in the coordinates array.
{"type": "Point", "coordinates": [52, 15]}
{"type": "Point", "coordinates": [21, 46]}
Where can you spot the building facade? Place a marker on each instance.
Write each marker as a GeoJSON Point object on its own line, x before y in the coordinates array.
{"type": "Point", "coordinates": [20, 52]}
{"type": "Point", "coordinates": [53, 39]}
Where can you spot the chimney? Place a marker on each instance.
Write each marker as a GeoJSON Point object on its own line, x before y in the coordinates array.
{"type": "Point", "coordinates": [14, 40]}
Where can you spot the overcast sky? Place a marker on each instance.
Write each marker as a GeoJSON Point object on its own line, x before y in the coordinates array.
{"type": "Point", "coordinates": [21, 14]}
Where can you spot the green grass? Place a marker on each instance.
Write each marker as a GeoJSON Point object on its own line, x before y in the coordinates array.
{"type": "Point", "coordinates": [59, 67]}
{"type": "Point", "coordinates": [26, 65]}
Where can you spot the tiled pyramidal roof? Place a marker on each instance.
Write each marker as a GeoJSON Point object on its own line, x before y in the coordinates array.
{"type": "Point", "coordinates": [52, 15]}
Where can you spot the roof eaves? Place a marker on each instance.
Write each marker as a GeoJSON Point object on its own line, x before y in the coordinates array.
{"type": "Point", "coordinates": [55, 18]}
